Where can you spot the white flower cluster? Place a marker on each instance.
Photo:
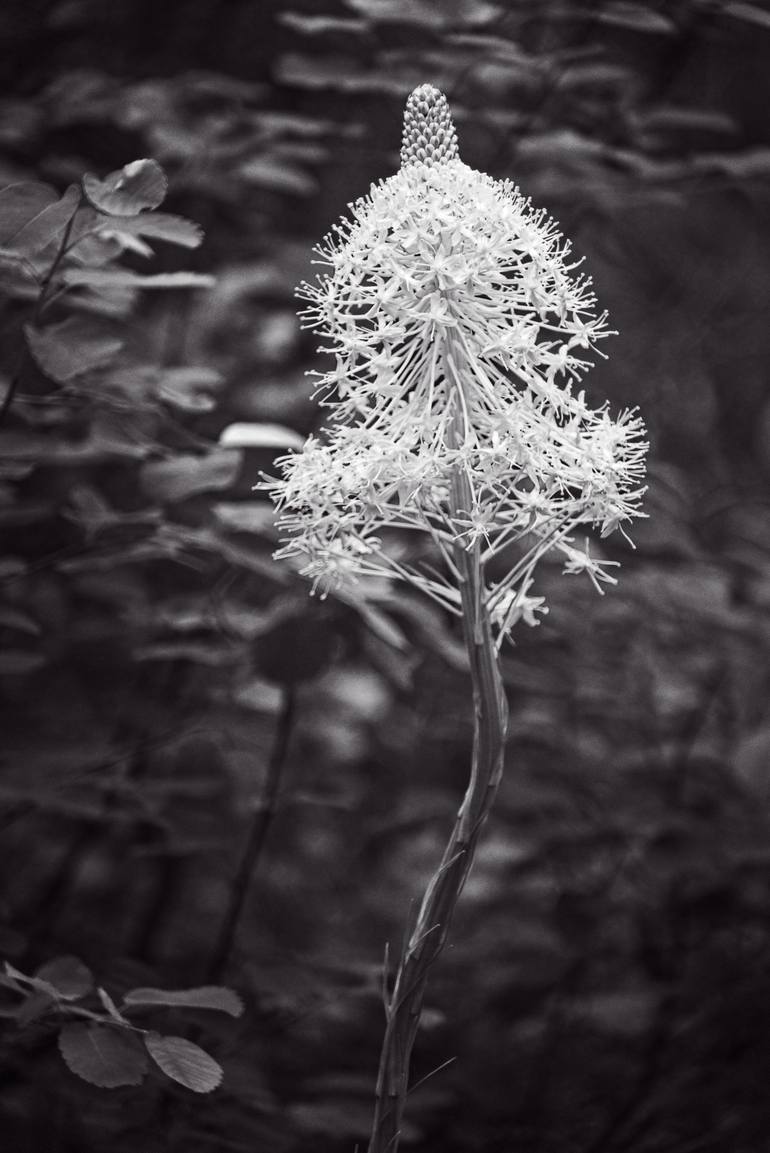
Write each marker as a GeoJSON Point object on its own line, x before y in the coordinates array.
{"type": "Point", "coordinates": [459, 332]}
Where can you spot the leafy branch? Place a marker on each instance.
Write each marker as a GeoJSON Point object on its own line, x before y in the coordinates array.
{"type": "Point", "coordinates": [103, 1045]}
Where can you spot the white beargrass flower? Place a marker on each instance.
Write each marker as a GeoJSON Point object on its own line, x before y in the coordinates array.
{"type": "Point", "coordinates": [459, 332]}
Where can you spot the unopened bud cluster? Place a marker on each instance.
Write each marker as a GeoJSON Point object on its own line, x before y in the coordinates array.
{"type": "Point", "coordinates": [429, 134]}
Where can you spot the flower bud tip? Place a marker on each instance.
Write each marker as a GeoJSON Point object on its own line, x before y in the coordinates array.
{"type": "Point", "coordinates": [429, 134]}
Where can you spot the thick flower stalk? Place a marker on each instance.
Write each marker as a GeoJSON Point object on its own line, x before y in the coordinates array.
{"type": "Point", "coordinates": [460, 332]}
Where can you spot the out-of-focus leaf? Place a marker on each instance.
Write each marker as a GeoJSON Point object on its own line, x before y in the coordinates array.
{"type": "Point", "coordinates": [184, 476]}
{"type": "Point", "coordinates": [20, 204]}
{"type": "Point", "coordinates": [637, 17]}
{"type": "Point", "coordinates": [687, 119]}
{"type": "Point", "coordinates": [18, 277]}
{"type": "Point", "coordinates": [319, 25]}
{"type": "Point", "coordinates": [424, 12]}
{"type": "Point", "coordinates": [751, 762]}
{"type": "Point", "coordinates": [45, 226]}
{"type": "Point", "coordinates": [71, 348]}
{"type": "Point", "coordinates": [751, 13]}
{"type": "Point", "coordinates": [19, 662]}
{"type": "Point", "coordinates": [593, 73]}
{"type": "Point", "coordinates": [245, 435]}
{"type": "Point", "coordinates": [121, 277]}
{"type": "Point", "coordinates": [129, 191]}
{"type": "Point", "coordinates": [215, 655]}
{"type": "Point", "coordinates": [338, 75]}
{"type": "Point", "coordinates": [278, 176]}
{"type": "Point", "coordinates": [189, 387]}
{"type": "Point", "coordinates": [103, 1055]}
{"type": "Point", "coordinates": [628, 1013]}
{"type": "Point", "coordinates": [69, 976]}
{"type": "Point", "coordinates": [33, 1008]}
{"type": "Point", "coordinates": [743, 165]}
{"type": "Point", "coordinates": [381, 625]}
{"type": "Point", "coordinates": [252, 516]}
{"type": "Point", "coordinates": [184, 1062]}
{"type": "Point", "coordinates": [205, 997]}
{"type": "Point", "coordinates": [13, 618]}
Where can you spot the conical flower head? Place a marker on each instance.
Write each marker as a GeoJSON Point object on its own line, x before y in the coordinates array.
{"type": "Point", "coordinates": [429, 134]}
{"type": "Point", "coordinates": [459, 331]}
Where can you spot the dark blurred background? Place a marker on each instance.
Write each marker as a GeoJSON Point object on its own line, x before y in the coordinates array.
{"type": "Point", "coordinates": [608, 985]}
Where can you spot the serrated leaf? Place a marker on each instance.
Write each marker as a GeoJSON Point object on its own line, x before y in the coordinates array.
{"type": "Point", "coordinates": [246, 435]}
{"type": "Point", "coordinates": [204, 997]}
{"type": "Point", "coordinates": [185, 475]}
{"type": "Point", "coordinates": [103, 1055]}
{"type": "Point", "coordinates": [45, 226]}
{"type": "Point", "coordinates": [69, 349]}
{"type": "Point", "coordinates": [129, 191]}
{"type": "Point", "coordinates": [122, 278]}
{"type": "Point", "coordinates": [159, 226]}
{"type": "Point", "coordinates": [20, 203]}
{"type": "Point", "coordinates": [69, 976]}
{"type": "Point", "coordinates": [184, 1062]}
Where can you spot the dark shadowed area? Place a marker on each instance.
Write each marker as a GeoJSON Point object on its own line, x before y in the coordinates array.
{"type": "Point", "coordinates": [210, 780]}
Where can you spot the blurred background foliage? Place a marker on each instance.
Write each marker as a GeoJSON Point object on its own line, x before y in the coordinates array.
{"type": "Point", "coordinates": [607, 989]}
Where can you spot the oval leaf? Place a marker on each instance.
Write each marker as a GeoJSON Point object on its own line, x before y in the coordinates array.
{"type": "Point", "coordinates": [105, 1056]}
{"type": "Point", "coordinates": [129, 191]}
{"type": "Point", "coordinates": [184, 1062]}
{"type": "Point", "coordinates": [33, 1008]}
{"type": "Point", "coordinates": [70, 977]}
{"type": "Point", "coordinates": [45, 226]}
{"type": "Point", "coordinates": [19, 204]}
{"type": "Point", "coordinates": [245, 435]}
{"type": "Point", "coordinates": [205, 997]}
{"type": "Point", "coordinates": [68, 349]}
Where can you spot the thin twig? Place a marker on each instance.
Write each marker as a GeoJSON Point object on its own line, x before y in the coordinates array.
{"type": "Point", "coordinates": [255, 841]}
